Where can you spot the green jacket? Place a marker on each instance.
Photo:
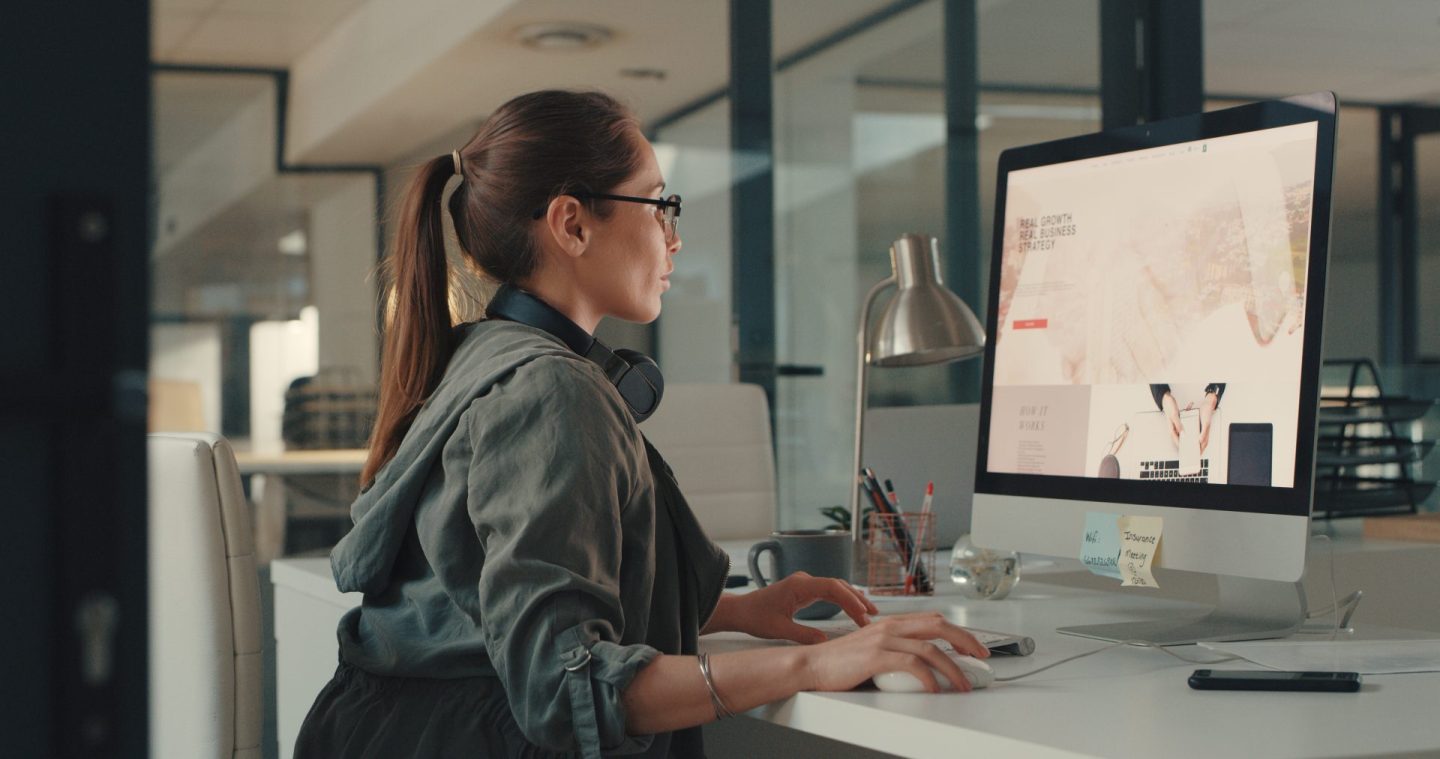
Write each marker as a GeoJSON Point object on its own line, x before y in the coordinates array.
{"type": "Point", "coordinates": [526, 531]}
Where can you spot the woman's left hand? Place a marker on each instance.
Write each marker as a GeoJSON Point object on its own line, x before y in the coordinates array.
{"type": "Point", "coordinates": [769, 612]}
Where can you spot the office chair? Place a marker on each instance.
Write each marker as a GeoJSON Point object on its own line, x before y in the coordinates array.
{"type": "Point", "coordinates": [205, 664]}
{"type": "Point", "coordinates": [716, 438]}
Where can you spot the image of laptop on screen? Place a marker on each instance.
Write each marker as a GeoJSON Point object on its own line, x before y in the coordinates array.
{"type": "Point", "coordinates": [1157, 455]}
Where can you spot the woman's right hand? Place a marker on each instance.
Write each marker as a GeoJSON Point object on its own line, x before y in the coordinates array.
{"type": "Point", "coordinates": [891, 644]}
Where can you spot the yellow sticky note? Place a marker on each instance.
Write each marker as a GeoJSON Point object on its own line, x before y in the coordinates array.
{"type": "Point", "coordinates": [1139, 542]}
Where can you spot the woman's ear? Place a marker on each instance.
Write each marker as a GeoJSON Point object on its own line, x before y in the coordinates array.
{"type": "Point", "coordinates": [567, 225]}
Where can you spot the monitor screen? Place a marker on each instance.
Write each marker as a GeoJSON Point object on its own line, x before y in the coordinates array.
{"type": "Point", "coordinates": [1148, 301]}
{"type": "Point", "coordinates": [1154, 314]}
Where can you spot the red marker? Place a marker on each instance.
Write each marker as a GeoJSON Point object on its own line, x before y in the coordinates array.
{"type": "Point", "coordinates": [894, 497]}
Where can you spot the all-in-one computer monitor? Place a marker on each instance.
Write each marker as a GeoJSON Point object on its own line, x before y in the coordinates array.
{"type": "Point", "coordinates": [1156, 295]}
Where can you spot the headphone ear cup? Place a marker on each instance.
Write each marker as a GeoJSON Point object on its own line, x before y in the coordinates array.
{"type": "Point", "coordinates": [643, 385]}
{"type": "Point", "coordinates": [635, 375]}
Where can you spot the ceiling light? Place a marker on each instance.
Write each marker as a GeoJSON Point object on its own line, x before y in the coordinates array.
{"type": "Point", "coordinates": [562, 35]}
{"type": "Point", "coordinates": [293, 244]}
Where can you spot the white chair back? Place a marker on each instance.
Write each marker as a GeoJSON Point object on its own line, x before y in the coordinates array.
{"type": "Point", "coordinates": [204, 603]}
{"type": "Point", "coordinates": [716, 438]}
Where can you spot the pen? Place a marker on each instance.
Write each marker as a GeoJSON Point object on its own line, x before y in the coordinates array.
{"type": "Point", "coordinates": [872, 487]}
{"type": "Point", "coordinates": [907, 551]}
{"type": "Point", "coordinates": [920, 538]}
{"type": "Point", "coordinates": [902, 535]}
{"type": "Point", "coordinates": [891, 506]}
{"type": "Point", "coordinates": [874, 483]}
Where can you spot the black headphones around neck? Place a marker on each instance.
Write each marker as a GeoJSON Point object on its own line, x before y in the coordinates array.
{"type": "Point", "coordinates": [635, 375]}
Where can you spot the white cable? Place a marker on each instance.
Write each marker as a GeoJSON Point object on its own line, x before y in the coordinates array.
{"type": "Point", "coordinates": [1350, 603]}
{"type": "Point", "coordinates": [1347, 604]}
{"type": "Point", "coordinates": [1145, 643]}
{"type": "Point", "coordinates": [1334, 599]}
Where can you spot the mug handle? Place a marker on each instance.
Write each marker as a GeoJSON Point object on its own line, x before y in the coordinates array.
{"type": "Point", "coordinates": [755, 551]}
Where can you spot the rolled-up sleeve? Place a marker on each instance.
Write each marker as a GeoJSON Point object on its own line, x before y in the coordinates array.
{"type": "Point", "coordinates": [555, 466]}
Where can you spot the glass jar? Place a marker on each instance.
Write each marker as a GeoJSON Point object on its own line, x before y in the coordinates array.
{"type": "Point", "coordinates": [982, 572]}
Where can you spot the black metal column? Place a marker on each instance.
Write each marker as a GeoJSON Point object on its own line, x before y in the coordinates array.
{"type": "Point", "coordinates": [1151, 60]}
{"type": "Point", "coordinates": [1175, 58]}
{"type": "Point", "coordinates": [752, 193]}
{"type": "Point", "coordinates": [1122, 88]}
{"type": "Point", "coordinates": [1388, 205]}
{"type": "Point", "coordinates": [1399, 211]}
{"type": "Point", "coordinates": [962, 247]}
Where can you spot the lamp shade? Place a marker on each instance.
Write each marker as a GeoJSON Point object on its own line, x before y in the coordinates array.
{"type": "Point", "coordinates": [924, 323]}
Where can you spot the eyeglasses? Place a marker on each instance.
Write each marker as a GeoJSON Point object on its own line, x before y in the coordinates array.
{"type": "Point", "coordinates": [667, 209]}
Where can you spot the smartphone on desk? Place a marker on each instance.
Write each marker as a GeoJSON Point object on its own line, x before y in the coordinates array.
{"type": "Point", "coordinates": [1265, 679]}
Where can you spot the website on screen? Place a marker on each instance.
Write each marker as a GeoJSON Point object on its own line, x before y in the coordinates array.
{"type": "Point", "coordinates": [1150, 315]}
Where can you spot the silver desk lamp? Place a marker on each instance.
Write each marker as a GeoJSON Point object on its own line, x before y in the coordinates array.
{"type": "Point", "coordinates": [924, 323]}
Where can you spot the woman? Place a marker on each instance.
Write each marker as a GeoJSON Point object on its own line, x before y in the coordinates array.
{"type": "Point", "coordinates": [534, 582]}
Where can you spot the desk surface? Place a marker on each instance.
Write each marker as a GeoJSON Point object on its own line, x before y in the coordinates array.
{"type": "Point", "coordinates": [1123, 702]}
{"type": "Point", "coordinates": [340, 461]}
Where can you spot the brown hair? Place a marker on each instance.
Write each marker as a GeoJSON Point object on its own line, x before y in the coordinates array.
{"type": "Point", "coordinates": [532, 149]}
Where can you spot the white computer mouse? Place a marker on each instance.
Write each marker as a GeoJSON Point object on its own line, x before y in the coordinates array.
{"type": "Point", "coordinates": [976, 671]}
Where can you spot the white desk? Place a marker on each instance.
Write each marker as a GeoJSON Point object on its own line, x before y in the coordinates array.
{"type": "Point", "coordinates": [339, 461]}
{"type": "Point", "coordinates": [308, 608]}
{"type": "Point", "coordinates": [1124, 702]}
{"type": "Point", "coordinates": [271, 511]}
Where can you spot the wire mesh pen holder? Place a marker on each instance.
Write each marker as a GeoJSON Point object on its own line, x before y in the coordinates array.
{"type": "Point", "coordinates": [900, 552]}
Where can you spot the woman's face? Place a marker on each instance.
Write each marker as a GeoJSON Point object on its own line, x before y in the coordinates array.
{"type": "Point", "coordinates": [629, 259]}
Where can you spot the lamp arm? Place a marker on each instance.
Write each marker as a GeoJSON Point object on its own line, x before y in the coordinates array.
{"type": "Point", "coordinates": [861, 370]}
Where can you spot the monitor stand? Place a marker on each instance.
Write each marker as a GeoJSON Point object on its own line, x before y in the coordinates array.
{"type": "Point", "coordinates": [1248, 609]}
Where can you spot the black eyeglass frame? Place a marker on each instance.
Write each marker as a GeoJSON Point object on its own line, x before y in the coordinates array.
{"type": "Point", "coordinates": [665, 203]}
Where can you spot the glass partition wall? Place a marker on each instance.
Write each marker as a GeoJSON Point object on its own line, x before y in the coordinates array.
{"type": "Point", "coordinates": [251, 294]}
{"type": "Point", "coordinates": [860, 151]}
{"type": "Point", "coordinates": [263, 306]}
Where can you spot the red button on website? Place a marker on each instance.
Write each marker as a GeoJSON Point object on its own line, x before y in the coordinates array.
{"type": "Point", "coordinates": [1030, 323]}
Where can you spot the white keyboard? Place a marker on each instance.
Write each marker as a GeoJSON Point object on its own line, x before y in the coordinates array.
{"type": "Point", "coordinates": [997, 642]}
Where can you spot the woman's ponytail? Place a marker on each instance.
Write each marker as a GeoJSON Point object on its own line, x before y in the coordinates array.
{"type": "Point", "coordinates": [530, 150]}
{"type": "Point", "coordinates": [418, 336]}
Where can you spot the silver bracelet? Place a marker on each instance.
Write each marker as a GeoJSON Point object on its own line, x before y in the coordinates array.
{"type": "Point", "coordinates": [720, 711]}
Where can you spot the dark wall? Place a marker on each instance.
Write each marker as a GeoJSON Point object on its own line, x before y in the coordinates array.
{"type": "Point", "coordinates": [75, 134]}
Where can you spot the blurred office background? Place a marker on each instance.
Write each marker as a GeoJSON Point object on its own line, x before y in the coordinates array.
{"type": "Point", "coordinates": [804, 135]}
{"type": "Point", "coordinates": [283, 132]}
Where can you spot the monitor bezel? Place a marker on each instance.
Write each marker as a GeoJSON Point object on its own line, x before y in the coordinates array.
{"type": "Point", "coordinates": [1286, 501]}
